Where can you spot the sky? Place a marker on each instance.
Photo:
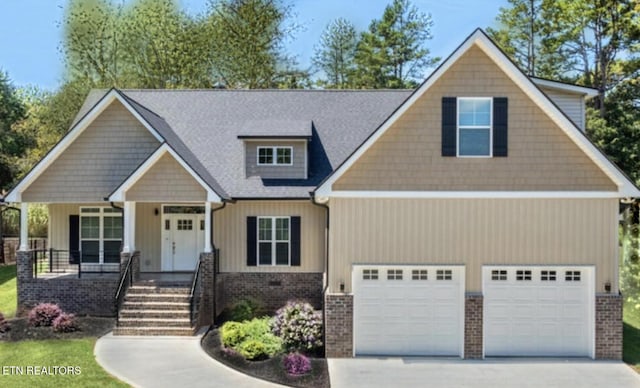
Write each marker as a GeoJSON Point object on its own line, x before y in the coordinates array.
{"type": "Point", "coordinates": [31, 33]}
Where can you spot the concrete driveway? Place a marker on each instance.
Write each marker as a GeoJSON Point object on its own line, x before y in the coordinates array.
{"type": "Point", "coordinates": [493, 373]}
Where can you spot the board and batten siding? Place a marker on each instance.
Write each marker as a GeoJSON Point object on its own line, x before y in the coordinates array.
{"type": "Point", "coordinates": [541, 157]}
{"type": "Point", "coordinates": [572, 104]}
{"type": "Point", "coordinates": [103, 156]}
{"type": "Point", "coordinates": [230, 234]}
{"type": "Point", "coordinates": [147, 230]}
{"type": "Point", "coordinates": [297, 170]}
{"type": "Point", "coordinates": [473, 232]}
{"type": "Point", "coordinates": [166, 181]}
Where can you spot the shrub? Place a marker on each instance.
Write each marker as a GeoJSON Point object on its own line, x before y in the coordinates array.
{"type": "Point", "coordinates": [244, 310]}
{"type": "Point", "coordinates": [296, 364]}
{"type": "Point", "coordinates": [299, 326]}
{"type": "Point", "coordinates": [4, 324]}
{"type": "Point", "coordinates": [44, 314]}
{"type": "Point", "coordinates": [65, 323]}
{"type": "Point", "coordinates": [232, 334]}
{"type": "Point", "coordinates": [252, 339]}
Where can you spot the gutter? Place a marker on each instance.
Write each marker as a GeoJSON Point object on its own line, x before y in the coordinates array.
{"type": "Point", "coordinates": [326, 255]}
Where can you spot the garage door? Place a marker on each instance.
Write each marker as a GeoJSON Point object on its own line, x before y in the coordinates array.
{"type": "Point", "coordinates": [408, 310]}
{"type": "Point", "coordinates": [538, 311]}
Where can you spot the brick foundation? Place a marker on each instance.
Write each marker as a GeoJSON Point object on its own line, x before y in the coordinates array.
{"type": "Point", "coordinates": [272, 289]}
{"type": "Point", "coordinates": [338, 325]}
{"type": "Point", "coordinates": [205, 313]}
{"type": "Point", "coordinates": [473, 326]}
{"type": "Point", "coordinates": [609, 327]}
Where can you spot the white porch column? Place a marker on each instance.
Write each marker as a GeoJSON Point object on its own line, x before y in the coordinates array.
{"type": "Point", "coordinates": [129, 243]}
{"type": "Point", "coordinates": [207, 227]}
{"type": "Point", "coordinates": [24, 226]}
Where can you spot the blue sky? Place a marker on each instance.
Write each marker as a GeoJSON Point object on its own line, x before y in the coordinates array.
{"type": "Point", "coordinates": [30, 30]}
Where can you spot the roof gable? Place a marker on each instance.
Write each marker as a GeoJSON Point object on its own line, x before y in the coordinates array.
{"type": "Point", "coordinates": [625, 187]}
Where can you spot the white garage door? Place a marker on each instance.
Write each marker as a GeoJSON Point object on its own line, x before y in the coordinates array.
{"type": "Point", "coordinates": [538, 311]}
{"type": "Point", "coordinates": [408, 310]}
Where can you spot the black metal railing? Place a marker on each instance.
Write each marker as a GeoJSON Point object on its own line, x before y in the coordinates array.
{"type": "Point", "coordinates": [126, 280]}
{"type": "Point", "coordinates": [74, 262]}
{"type": "Point", "coordinates": [196, 292]}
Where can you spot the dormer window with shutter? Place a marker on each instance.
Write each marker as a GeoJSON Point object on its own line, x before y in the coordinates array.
{"type": "Point", "coordinates": [474, 127]}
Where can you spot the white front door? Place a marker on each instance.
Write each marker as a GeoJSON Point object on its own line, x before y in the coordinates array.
{"type": "Point", "coordinates": [182, 238]}
{"type": "Point", "coordinates": [538, 311]}
{"type": "Point", "coordinates": [408, 310]}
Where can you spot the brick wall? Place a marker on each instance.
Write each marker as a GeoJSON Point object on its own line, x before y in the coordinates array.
{"type": "Point", "coordinates": [473, 326]}
{"type": "Point", "coordinates": [609, 326]}
{"type": "Point", "coordinates": [205, 311]}
{"type": "Point", "coordinates": [338, 325]}
{"type": "Point", "coordinates": [272, 289]}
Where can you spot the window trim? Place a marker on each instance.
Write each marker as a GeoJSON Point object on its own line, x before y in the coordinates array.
{"type": "Point", "coordinates": [274, 150]}
{"type": "Point", "coordinates": [458, 100]}
{"type": "Point", "coordinates": [101, 214]}
{"type": "Point", "coordinates": [273, 241]}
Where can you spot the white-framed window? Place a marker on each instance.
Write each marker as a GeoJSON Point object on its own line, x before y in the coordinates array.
{"type": "Point", "coordinates": [475, 123]}
{"type": "Point", "coordinates": [100, 234]}
{"type": "Point", "coordinates": [523, 274]}
{"type": "Point", "coordinates": [394, 274]}
{"type": "Point", "coordinates": [572, 276]}
{"type": "Point", "coordinates": [274, 241]}
{"type": "Point", "coordinates": [275, 156]}
{"type": "Point", "coordinates": [370, 274]}
{"type": "Point", "coordinates": [419, 274]}
{"type": "Point", "coordinates": [499, 274]}
{"type": "Point", "coordinates": [444, 274]}
{"type": "Point", "coordinates": [548, 276]}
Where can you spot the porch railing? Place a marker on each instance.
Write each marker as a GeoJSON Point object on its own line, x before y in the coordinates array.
{"type": "Point", "coordinates": [196, 292]}
{"type": "Point", "coordinates": [74, 262]}
{"type": "Point", "coordinates": [126, 280]}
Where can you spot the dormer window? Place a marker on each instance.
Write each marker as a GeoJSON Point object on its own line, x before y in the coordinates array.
{"type": "Point", "coordinates": [275, 156]}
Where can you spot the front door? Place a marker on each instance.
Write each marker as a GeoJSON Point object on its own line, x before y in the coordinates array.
{"type": "Point", "coordinates": [182, 237]}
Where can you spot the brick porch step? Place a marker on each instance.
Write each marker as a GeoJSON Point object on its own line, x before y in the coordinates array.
{"type": "Point", "coordinates": [179, 313]}
{"type": "Point", "coordinates": [146, 305]}
{"type": "Point", "coordinates": [142, 289]}
{"type": "Point", "coordinates": [154, 331]}
{"type": "Point", "coordinates": [159, 297]}
{"type": "Point", "coordinates": [155, 322]}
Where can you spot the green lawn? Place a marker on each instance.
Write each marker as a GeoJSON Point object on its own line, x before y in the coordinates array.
{"type": "Point", "coordinates": [631, 336]}
{"type": "Point", "coordinates": [8, 293]}
{"type": "Point", "coordinates": [74, 353]}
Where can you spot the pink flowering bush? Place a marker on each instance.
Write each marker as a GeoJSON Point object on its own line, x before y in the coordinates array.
{"type": "Point", "coordinates": [44, 314]}
{"type": "Point", "coordinates": [296, 364]}
{"type": "Point", "coordinates": [65, 323]}
{"type": "Point", "coordinates": [299, 326]}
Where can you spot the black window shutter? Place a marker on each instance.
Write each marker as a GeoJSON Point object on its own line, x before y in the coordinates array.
{"type": "Point", "coordinates": [500, 126]}
{"type": "Point", "coordinates": [449, 129]}
{"type": "Point", "coordinates": [74, 239]}
{"type": "Point", "coordinates": [295, 241]}
{"type": "Point", "coordinates": [252, 244]}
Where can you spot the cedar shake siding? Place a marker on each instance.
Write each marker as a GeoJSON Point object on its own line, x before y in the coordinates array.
{"type": "Point", "coordinates": [297, 170]}
{"type": "Point", "coordinates": [541, 157]}
{"type": "Point", "coordinates": [166, 181]}
{"type": "Point", "coordinates": [474, 232]}
{"type": "Point", "coordinates": [230, 234]}
{"type": "Point", "coordinates": [97, 161]}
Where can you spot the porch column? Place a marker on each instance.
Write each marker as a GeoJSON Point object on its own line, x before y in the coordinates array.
{"type": "Point", "coordinates": [207, 227]}
{"type": "Point", "coordinates": [24, 227]}
{"type": "Point", "coordinates": [129, 243]}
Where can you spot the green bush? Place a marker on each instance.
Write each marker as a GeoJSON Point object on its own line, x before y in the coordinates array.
{"type": "Point", "coordinates": [244, 310]}
{"type": "Point", "coordinates": [232, 334]}
{"type": "Point", "coordinates": [252, 339]}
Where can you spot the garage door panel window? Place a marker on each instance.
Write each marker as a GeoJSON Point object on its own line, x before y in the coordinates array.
{"type": "Point", "coordinates": [548, 276]}
{"type": "Point", "coordinates": [444, 274]}
{"type": "Point", "coordinates": [572, 276]}
{"type": "Point", "coordinates": [370, 274]}
{"type": "Point", "coordinates": [394, 274]}
{"type": "Point", "coordinates": [419, 274]}
{"type": "Point", "coordinates": [498, 274]}
{"type": "Point", "coordinates": [523, 275]}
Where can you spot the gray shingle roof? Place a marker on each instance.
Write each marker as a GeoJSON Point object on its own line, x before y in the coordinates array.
{"type": "Point", "coordinates": [203, 127]}
{"type": "Point", "coordinates": [276, 129]}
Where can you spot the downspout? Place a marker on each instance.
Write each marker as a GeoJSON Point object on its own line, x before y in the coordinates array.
{"type": "Point", "coordinates": [215, 263]}
{"type": "Point", "coordinates": [326, 267]}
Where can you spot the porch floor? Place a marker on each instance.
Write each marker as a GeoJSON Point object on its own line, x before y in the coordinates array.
{"type": "Point", "coordinates": [167, 278]}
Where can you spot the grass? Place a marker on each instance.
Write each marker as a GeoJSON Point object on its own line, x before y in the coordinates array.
{"type": "Point", "coordinates": [631, 336]}
{"type": "Point", "coordinates": [50, 353]}
{"type": "Point", "coordinates": [8, 291]}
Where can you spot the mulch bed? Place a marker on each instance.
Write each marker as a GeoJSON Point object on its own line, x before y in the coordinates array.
{"type": "Point", "coordinates": [271, 369]}
{"type": "Point", "coordinates": [87, 327]}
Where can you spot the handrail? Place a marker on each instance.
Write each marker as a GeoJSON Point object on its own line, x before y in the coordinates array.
{"type": "Point", "coordinates": [195, 282]}
{"type": "Point", "coordinates": [119, 292]}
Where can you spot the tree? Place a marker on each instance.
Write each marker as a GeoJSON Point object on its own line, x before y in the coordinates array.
{"type": "Point", "coordinates": [392, 53]}
{"type": "Point", "coordinates": [335, 55]}
{"type": "Point", "coordinates": [12, 143]}
{"type": "Point", "coordinates": [247, 41]}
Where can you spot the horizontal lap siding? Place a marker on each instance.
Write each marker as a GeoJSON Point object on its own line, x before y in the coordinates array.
{"type": "Point", "coordinates": [571, 104]}
{"type": "Point", "coordinates": [166, 181]}
{"type": "Point", "coordinates": [295, 171]}
{"type": "Point", "coordinates": [230, 234]}
{"type": "Point", "coordinates": [408, 157]}
{"type": "Point", "coordinates": [473, 232]}
{"type": "Point", "coordinates": [97, 161]}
